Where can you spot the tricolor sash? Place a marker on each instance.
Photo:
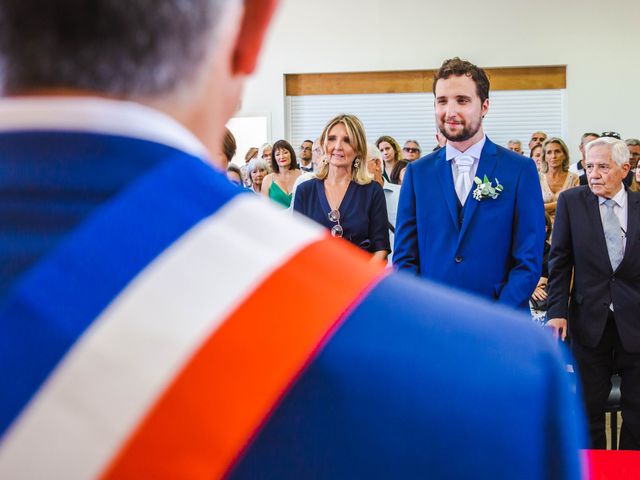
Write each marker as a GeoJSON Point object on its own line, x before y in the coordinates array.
{"type": "Point", "coordinates": [158, 337]}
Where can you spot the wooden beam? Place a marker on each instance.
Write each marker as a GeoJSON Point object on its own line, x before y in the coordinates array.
{"type": "Point", "coordinates": [412, 81]}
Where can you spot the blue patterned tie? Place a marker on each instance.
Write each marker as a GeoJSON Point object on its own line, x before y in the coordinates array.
{"type": "Point", "coordinates": [613, 234]}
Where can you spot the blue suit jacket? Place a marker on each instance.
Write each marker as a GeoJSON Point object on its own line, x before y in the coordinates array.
{"type": "Point", "coordinates": [407, 386]}
{"type": "Point", "coordinates": [496, 250]}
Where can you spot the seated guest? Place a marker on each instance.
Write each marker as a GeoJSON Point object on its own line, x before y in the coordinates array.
{"type": "Point", "coordinates": [306, 156]}
{"type": "Point", "coordinates": [555, 177]}
{"type": "Point", "coordinates": [264, 152]}
{"type": "Point", "coordinates": [635, 183]}
{"type": "Point", "coordinates": [278, 185]}
{"type": "Point", "coordinates": [256, 171]}
{"type": "Point", "coordinates": [586, 138]}
{"type": "Point", "coordinates": [536, 155]}
{"type": "Point", "coordinates": [515, 146]}
{"type": "Point", "coordinates": [343, 197]}
{"type": "Point", "coordinates": [250, 155]}
{"type": "Point", "coordinates": [411, 150]}
{"type": "Point", "coordinates": [234, 174]}
{"type": "Point", "coordinates": [633, 145]}
{"type": "Point", "coordinates": [537, 137]}
{"type": "Point", "coordinates": [228, 150]}
{"type": "Point", "coordinates": [375, 165]}
{"type": "Point", "coordinates": [394, 163]}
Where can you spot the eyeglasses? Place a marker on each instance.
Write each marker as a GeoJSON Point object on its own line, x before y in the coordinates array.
{"type": "Point", "coordinates": [411, 150]}
{"type": "Point", "coordinates": [334, 216]}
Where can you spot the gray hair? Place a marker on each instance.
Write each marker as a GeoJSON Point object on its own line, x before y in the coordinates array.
{"type": "Point", "coordinates": [632, 142]}
{"type": "Point", "coordinates": [617, 148]}
{"type": "Point", "coordinates": [134, 48]}
{"type": "Point", "coordinates": [262, 149]}
{"type": "Point", "coordinates": [373, 152]}
{"type": "Point", "coordinates": [253, 165]}
{"type": "Point", "coordinates": [514, 142]}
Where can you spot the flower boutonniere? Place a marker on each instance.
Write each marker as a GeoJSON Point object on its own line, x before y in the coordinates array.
{"type": "Point", "coordinates": [484, 189]}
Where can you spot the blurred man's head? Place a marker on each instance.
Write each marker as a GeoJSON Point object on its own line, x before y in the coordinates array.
{"type": "Point", "coordinates": [586, 138]}
{"type": "Point", "coordinates": [375, 164]}
{"type": "Point", "coordinates": [537, 137]}
{"type": "Point", "coordinates": [411, 150]}
{"type": "Point", "coordinates": [306, 152]}
{"type": "Point", "coordinates": [633, 144]}
{"type": "Point", "coordinates": [515, 146]}
{"type": "Point", "coordinates": [187, 59]}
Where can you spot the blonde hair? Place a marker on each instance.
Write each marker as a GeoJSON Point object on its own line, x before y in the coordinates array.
{"type": "Point", "coordinates": [544, 166]}
{"type": "Point", "coordinates": [358, 140]}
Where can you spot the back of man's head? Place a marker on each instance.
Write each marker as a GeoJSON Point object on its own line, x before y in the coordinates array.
{"type": "Point", "coordinates": [127, 49]}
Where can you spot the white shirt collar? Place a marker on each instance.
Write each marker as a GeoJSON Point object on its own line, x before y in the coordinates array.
{"type": "Point", "coordinates": [474, 150]}
{"type": "Point", "coordinates": [97, 115]}
{"type": "Point", "coordinates": [620, 198]}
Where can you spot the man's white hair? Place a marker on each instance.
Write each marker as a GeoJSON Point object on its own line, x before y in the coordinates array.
{"type": "Point", "coordinates": [373, 152]}
{"type": "Point", "coordinates": [618, 149]}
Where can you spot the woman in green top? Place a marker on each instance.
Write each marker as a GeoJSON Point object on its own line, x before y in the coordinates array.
{"type": "Point", "coordinates": [279, 184]}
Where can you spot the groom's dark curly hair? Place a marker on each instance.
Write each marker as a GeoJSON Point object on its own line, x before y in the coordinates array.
{"type": "Point", "coordinates": [456, 66]}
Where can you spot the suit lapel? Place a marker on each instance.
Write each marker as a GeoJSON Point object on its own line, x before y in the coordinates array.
{"type": "Point", "coordinates": [593, 213]}
{"type": "Point", "coordinates": [443, 167]}
{"type": "Point", "coordinates": [486, 165]}
{"type": "Point", "coordinates": [633, 224]}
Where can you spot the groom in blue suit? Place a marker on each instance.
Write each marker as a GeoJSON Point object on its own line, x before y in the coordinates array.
{"type": "Point", "coordinates": [471, 214]}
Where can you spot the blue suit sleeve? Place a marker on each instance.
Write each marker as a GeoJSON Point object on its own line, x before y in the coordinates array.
{"type": "Point", "coordinates": [379, 220]}
{"type": "Point", "coordinates": [528, 240]}
{"type": "Point", "coordinates": [406, 254]}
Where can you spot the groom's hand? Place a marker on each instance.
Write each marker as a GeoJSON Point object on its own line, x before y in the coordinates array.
{"type": "Point", "coordinates": [559, 327]}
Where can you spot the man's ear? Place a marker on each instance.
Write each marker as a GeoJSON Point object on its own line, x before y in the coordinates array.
{"type": "Point", "coordinates": [255, 20]}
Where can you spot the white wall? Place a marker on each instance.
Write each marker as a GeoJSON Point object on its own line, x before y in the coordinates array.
{"type": "Point", "coordinates": [598, 41]}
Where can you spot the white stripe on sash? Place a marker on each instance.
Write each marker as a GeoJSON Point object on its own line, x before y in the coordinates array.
{"type": "Point", "coordinates": [115, 372]}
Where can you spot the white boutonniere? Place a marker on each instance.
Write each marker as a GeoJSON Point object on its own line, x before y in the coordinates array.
{"type": "Point", "coordinates": [484, 189]}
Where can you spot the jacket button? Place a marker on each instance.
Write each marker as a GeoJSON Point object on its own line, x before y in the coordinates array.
{"type": "Point", "coordinates": [458, 259]}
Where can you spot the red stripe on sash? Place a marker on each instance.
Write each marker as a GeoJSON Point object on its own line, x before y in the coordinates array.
{"type": "Point", "coordinates": [214, 407]}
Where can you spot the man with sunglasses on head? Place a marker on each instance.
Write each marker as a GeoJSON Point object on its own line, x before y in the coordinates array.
{"type": "Point", "coordinates": [149, 317]}
{"type": "Point", "coordinates": [411, 150]}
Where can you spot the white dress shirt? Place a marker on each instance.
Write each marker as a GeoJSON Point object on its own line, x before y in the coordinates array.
{"type": "Point", "coordinates": [473, 151]}
{"type": "Point", "coordinates": [620, 209]}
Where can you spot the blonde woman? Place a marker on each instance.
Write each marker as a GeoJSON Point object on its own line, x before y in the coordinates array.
{"type": "Point", "coordinates": [343, 197]}
{"type": "Point", "coordinates": [555, 177]}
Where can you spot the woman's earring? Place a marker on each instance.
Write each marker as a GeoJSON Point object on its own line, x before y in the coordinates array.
{"type": "Point", "coordinates": [356, 164]}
